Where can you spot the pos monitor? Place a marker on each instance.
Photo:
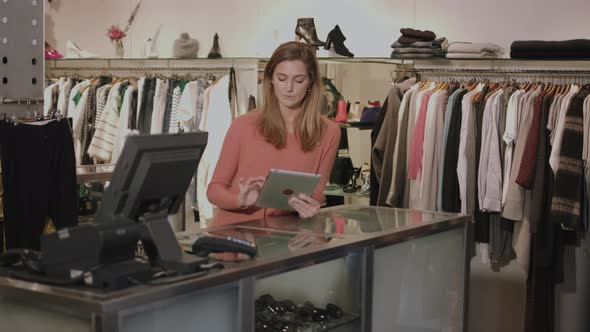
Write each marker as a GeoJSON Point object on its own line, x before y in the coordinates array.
{"type": "Point", "coordinates": [149, 182]}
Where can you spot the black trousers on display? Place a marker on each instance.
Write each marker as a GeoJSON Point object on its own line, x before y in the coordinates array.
{"type": "Point", "coordinates": [39, 175]}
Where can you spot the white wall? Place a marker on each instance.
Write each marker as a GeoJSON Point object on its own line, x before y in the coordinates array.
{"type": "Point", "coordinates": [253, 28]}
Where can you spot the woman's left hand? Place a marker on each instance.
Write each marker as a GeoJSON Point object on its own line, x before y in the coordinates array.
{"type": "Point", "coordinates": [306, 206]}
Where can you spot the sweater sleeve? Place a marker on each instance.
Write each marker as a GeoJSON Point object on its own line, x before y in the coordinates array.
{"type": "Point", "coordinates": [218, 191]}
{"type": "Point", "coordinates": [332, 137]}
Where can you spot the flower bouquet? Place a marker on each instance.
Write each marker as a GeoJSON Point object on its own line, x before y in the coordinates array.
{"type": "Point", "coordinates": [116, 35]}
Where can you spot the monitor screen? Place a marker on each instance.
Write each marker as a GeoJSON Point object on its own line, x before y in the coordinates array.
{"type": "Point", "coordinates": [151, 176]}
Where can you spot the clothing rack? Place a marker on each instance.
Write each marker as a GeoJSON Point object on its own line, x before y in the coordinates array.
{"type": "Point", "coordinates": [19, 101]}
{"type": "Point", "coordinates": [134, 66]}
{"type": "Point", "coordinates": [558, 76]}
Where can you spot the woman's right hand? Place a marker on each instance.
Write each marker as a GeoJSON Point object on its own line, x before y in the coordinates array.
{"type": "Point", "coordinates": [250, 189]}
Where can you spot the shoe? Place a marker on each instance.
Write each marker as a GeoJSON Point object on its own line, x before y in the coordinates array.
{"type": "Point", "coordinates": [51, 53]}
{"type": "Point", "coordinates": [356, 110]}
{"type": "Point", "coordinates": [341, 114]}
{"type": "Point", "coordinates": [215, 52]}
{"type": "Point", "coordinates": [151, 46]}
{"type": "Point", "coordinates": [336, 38]}
{"type": "Point", "coordinates": [306, 29]}
{"type": "Point", "coordinates": [366, 179]}
{"type": "Point", "coordinates": [75, 52]}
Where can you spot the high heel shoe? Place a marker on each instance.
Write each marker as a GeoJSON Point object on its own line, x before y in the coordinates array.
{"type": "Point", "coordinates": [51, 53]}
{"type": "Point", "coordinates": [215, 52]}
{"type": "Point", "coordinates": [306, 29]}
{"type": "Point", "coordinates": [75, 52]}
{"type": "Point", "coordinates": [151, 46]}
{"type": "Point", "coordinates": [336, 38]}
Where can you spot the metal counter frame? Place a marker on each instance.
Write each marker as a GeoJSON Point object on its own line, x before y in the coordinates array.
{"type": "Point", "coordinates": [103, 309]}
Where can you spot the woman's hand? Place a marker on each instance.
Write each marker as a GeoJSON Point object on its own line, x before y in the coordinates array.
{"type": "Point", "coordinates": [306, 206]}
{"type": "Point", "coordinates": [250, 189]}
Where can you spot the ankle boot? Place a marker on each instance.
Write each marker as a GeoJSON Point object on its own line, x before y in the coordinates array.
{"type": "Point", "coordinates": [336, 38]}
{"type": "Point", "coordinates": [215, 52]}
{"type": "Point", "coordinates": [306, 29]}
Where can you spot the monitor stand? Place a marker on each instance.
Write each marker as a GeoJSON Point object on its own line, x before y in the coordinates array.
{"type": "Point", "coordinates": [162, 247]}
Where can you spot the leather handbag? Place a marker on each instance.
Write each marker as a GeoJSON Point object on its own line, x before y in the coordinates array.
{"type": "Point", "coordinates": [341, 171]}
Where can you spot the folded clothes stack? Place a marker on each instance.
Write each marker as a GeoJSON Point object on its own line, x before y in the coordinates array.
{"type": "Point", "coordinates": [474, 50]}
{"type": "Point", "coordinates": [540, 49]}
{"type": "Point", "coordinates": [417, 44]}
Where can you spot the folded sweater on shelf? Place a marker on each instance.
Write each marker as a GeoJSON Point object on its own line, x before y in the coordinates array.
{"type": "Point", "coordinates": [472, 55]}
{"type": "Point", "coordinates": [436, 44]}
{"type": "Point", "coordinates": [418, 35]}
{"type": "Point", "coordinates": [573, 48]}
{"type": "Point", "coordinates": [414, 55]}
{"type": "Point", "coordinates": [477, 48]}
{"type": "Point", "coordinates": [413, 50]}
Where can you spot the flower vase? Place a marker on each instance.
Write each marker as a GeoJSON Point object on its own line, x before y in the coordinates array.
{"type": "Point", "coordinates": [119, 48]}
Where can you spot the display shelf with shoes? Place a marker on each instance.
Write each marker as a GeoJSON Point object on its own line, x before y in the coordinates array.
{"type": "Point", "coordinates": [306, 30]}
{"type": "Point", "coordinates": [338, 191]}
{"type": "Point", "coordinates": [51, 53]}
{"type": "Point", "coordinates": [335, 43]}
{"type": "Point", "coordinates": [75, 52]}
{"type": "Point", "coordinates": [285, 315]}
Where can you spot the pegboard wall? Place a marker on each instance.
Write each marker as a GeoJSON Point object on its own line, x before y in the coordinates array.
{"type": "Point", "coordinates": [21, 54]}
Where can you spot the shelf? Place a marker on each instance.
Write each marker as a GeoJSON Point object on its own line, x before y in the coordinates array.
{"type": "Point", "coordinates": [382, 60]}
{"type": "Point", "coordinates": [339, 192]}
{"type": "Point", "coordinates": [347, 322]}
{"type": "Point", "coordinates": [334, 324]}
{"type": "Point", "coordinates": [151, 64]}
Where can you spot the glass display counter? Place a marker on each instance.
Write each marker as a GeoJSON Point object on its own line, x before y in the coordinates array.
{"type": "Point", "coordinates": [349, 268]}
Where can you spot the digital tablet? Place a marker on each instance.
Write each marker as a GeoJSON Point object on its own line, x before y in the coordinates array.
{"type": "Point", "coordinates": [280, 185]}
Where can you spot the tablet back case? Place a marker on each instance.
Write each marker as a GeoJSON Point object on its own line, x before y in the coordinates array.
{"type": "Point", "coordinates": [281, 184]}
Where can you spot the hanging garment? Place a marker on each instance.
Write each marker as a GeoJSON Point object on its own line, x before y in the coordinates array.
{"type": "Point", "coordinates": [566, 205]}
{"type": "Point", "coordinates": [382, 152]}
{"type": "Point", "coordinates": [215, 120]}
{"type": "Point", "coordinates": [101, 145]}
{"type": "Point", "coordinates": [65, 86]}
{"type": "Point", "coordinates": [146, 106]}
{"type": "Point", "coordinates": [173, 126]}
{"type": "Point", "coordinates": [123, 126]}
{"type": "Point", "coordinates": [397, 193]}
{"type": "Point", "coordinates": [190, 107]}
{"type": "Point", "coordinates": [466, 154]}
{"type": "Point", "coordinates": [50, 96]}
{"type": "Point", "coordinates": [160, 97]}
{"type": "Point", "coordinates": [450, 198]}
{"type": "Point", "coordinates": [39, 172]}
{"type": "Point", "coordinates": [169, 102]}
{"type": "Point", "coordinates": [431, 151]}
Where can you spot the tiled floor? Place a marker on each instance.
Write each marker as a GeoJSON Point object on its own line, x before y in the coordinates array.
{"type": "Point", "coordinates": [497, 299]}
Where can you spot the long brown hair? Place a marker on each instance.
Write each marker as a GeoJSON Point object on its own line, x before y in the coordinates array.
{"type": "Point", "coordinates": [308, 124]}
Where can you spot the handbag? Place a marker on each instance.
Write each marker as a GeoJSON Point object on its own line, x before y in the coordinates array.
{"type": "Point", "coordinates": [341, 171]}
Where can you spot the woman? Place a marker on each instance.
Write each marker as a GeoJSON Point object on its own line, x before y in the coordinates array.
{"type": "Point", "coordinates": [288, 133]}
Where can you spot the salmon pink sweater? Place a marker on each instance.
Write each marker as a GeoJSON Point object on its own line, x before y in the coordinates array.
{"type": "Point", "coordinates": [246, 153]}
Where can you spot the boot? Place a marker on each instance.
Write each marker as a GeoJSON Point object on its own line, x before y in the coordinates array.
{"type": "Point", "coordinates": [306, 29]}
{"type": "Point", "coordinates": [215, 52]}
{"type": "Point", "coordinates": [341, 115]}
{"type": "Point", "coordinates": [336, 38]}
